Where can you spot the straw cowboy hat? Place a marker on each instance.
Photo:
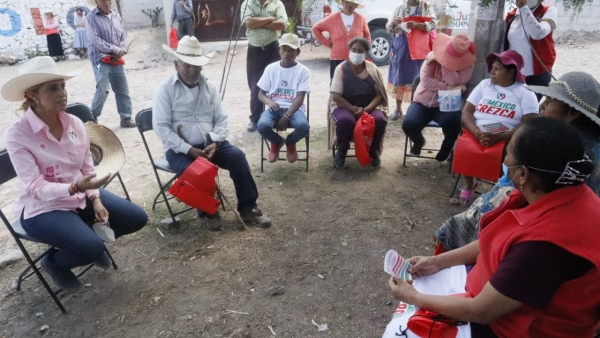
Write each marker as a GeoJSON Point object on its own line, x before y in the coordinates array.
{"type": "Point", "coordinates": [36, 71]}
{"type": "Point", "coordinates": [189, 51]}
{"type": "Point", "coordinates": [91, 2]}
{"type": "Point", "coordinates": [357, 2]}
{"type": "Point", "coordinates": [579, 90]}
{"type": "Point", "coordinates": [454, 53]}
{"type": "Point", "coordinates": [107, 151]}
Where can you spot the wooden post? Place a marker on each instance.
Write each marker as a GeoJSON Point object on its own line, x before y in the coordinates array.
{"type": "Point", "coordinates": [485, 29]}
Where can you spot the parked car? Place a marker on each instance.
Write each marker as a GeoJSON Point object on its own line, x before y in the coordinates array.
{"type": "Point", "coordinates": [453, 18]}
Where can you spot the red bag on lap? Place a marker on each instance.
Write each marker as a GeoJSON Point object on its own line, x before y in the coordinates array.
{"type": "Point", "coordinates": [427, 324]}
{"type": "Point", "coordinates": [363, 137]}
{"type": "Point", "coordinates": [196, 187]}
{"type": "Point", "coordinates": [419, 43]}
{"type": "Point", "coordinates": [473, 159]}
{"type": "Point", "coordinates": [173, 38]}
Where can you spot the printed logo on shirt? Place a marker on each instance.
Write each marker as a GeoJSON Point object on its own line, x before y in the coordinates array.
{"type": "Point", "coordinates": [49, 175]}
{"type": "Point", "coordinates": [283, 94]}
{"type": "Point", "coordinates": [499, 108]}
{"type": "Point", "coordinates": [43, 146]}
{"type": "Point", "coordinates": [72, 134]}
{"type": "Point", "coordinates": [501, 96]}
{"type": "Point", "coordinates": [284, 83]}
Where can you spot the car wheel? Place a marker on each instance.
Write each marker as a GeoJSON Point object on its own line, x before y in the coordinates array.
{"type": "Point", "coordinates": [381, 46]}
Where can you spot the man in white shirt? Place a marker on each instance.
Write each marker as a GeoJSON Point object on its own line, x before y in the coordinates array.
{"type": "Point", "coordinates": [283, 86]}
{"type": "Point", "coordinates": [189, 120]}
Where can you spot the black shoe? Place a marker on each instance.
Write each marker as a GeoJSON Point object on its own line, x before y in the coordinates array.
{"type": "Point", "coordinates": [63, 278]}
{"type": "Point", "coordinates": [103, 262]}
{"type": "Point", "coordinates": [376, 162]}
{"type": "Point", "coordinates": [212, 222]}
{"type": "Point", "coordinates": [255, 217]}
{"type": "Point", "coordinates": [127, 123]}
{"type": "Point", "coordinates": [340, 158]}
{"type": "Point", "coordinates": [251, 127]}
{"type": "Point", "coordinates": [417, 146]}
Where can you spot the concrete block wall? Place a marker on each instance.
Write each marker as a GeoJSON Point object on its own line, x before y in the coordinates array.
{"type": "Point", "coordinates": [133, 16]}
{"type": "Point", "coordinates": [587, 21]}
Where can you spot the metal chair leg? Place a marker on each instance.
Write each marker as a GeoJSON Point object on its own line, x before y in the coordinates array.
{"type": "Point", "coordinates": [455, 185]}
{"type": "Point", "coordinates": [307, 149]}
{"type": "Point", "coordinates": [405, 149]}
{"type": "Point", "coordinates": [112, 260]}
{"type": "Point", "coordinates": [123, 186]}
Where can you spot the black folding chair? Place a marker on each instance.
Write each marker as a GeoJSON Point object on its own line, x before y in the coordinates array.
{"type": "Point", "coordinates": [264, 143]}
{"type": "Point", "coordinates": [84, 113]}
{"type": "Point", "coordinates": [7, 173]}
{"type": "Point", "coordinates": [431, 124]}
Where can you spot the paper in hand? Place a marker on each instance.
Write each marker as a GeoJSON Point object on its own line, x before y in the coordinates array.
{"type": "Point", "coordinates": [396, 265]}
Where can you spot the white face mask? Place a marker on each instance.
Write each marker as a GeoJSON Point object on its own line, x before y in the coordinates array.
{"type": "Point", "coordinates": [356, 58]}
{"type": "Point", "coordinates": [532, 3]}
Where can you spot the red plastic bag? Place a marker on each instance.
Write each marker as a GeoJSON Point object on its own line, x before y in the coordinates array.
{"type": "Point", "coordinates": [427, 324]}
{"type": "Point", "coordinates": [473, 159]}
{"type": "Point", "coordinates": [196, 187]}
{"type": "Point", "coordinates": [363, 138]}
{"type": "Point", "coordinates": [173, 38]}
{"type": "Point", "coordinates": [419, 43]}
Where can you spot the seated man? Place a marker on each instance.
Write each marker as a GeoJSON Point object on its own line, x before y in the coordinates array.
{"type": "Point", "coordinates": [282, 89]}
{"type": "Point", "coordinates": [189, 120]}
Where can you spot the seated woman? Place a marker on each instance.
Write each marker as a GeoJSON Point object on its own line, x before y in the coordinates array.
{"type": "Point", "coordinates": [537, 264]}
{"type": "Point", "coordinates": [448, 66]}
{"type": "Point", "coordinates": [577, 110]}
{"type": "Point", "coordinates": [59, 195]}
{"type": "Point", "coordinates": [498, 104]}
{"type": "Point", "coordinates": [357, 88]}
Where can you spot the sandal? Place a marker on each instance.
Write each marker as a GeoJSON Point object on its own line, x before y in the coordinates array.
{"type": "Point", "coordinates": [467, 197]}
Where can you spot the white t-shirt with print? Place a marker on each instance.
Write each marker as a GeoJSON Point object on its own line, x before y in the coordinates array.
{"type": "Point", "coordinates": [502, 104]}
{"type": "Point", "coordinates": [348, 21]}
{"type": "Point", "coordinates": [283, 84]}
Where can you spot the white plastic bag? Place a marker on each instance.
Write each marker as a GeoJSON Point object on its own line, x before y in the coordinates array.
{"type": "Point", "coordinates": [104, 231]}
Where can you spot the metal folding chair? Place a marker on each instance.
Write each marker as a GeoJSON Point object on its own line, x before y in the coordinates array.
{"type": "Point", "coordinates": [84, 113]}
{"type": "Point", "coordinates": [264, 143]}
{"type": "Point", "coordinates": [7, 173]}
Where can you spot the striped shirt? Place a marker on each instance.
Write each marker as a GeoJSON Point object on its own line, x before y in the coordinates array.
{"type": "Point", "coordinates": [105, 33]}
{"type": "Point", "coordinates": [260, 37]}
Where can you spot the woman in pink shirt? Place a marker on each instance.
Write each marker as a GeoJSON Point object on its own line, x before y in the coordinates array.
{"type": "Point", "coordinates": [59, 194]}
{"type": "Point", "coordinates": [55, 49]}
{"type": "Point", "coordinates": [342, 27]}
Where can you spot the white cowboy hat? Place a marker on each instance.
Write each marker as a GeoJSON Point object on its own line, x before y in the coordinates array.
{"type": "Point", "coordinates": [106, 149]}
{"type": "Point", "coordinates": [189, 51]}
{"type": "Point", "coordinates": [36, 71]}
{"type": "Point", "coordinates": [91, 2]}
{"type": "Point", "coordinates": [357, 2]}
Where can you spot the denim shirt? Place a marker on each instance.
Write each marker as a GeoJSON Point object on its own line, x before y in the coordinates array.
{"type": "Point", "coordinates": [175, 104]}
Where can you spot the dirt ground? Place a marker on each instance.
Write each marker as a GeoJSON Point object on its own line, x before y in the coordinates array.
{"type": "Point", "coordinates": [323, 256]}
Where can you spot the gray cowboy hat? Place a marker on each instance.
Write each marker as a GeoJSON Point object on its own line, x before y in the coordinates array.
{"type": "Point", "coordinates": [579, 90]}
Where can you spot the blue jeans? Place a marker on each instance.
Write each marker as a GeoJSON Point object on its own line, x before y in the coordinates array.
{"type": "Point", "coordinates": [268, 119]}
{"type": "Point", "coordinates": [116, 77]}
{"type": "Point", "coordinates": [418, 116]}
{"type": "Point", "coordinates": [229, 158]}
{"type": "Point", "coordinates": [70, 231]}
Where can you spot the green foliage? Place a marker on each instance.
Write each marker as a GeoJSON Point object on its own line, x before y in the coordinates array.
{"type": "Point", "coordinates": [573, 6]}
{"type": "Point", "coordinates": [291, 25]}
{"type": "Point", "coordinates": [153, 14]}
{"type": "Point", "coordinates": [31, 53]}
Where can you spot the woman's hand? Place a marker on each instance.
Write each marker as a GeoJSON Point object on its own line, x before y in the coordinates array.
{"type": "Point", "coordinates": [88, 182]}
{"type": "Point", "coordinates": [397, 21]}
{"type": "Point", "coordinates": [423, 266]}
{"type": "Point", "coordinates": [489, 139]}
{"type": "Point", "coordinates": [100, 212]}
{"type": "Point", "coordinates": [462, 87]}
{"type": "Point", "coordinates": [430, 57]}
{"type": "Point", "coordinates": [401, 290]}
{"type": "Point", "coordinates": [416, 25]}
{"type": "Point", "coordinates": [358, 111]}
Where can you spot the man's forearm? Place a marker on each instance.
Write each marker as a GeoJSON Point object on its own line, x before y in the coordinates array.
{"type": "Point", "coordinates": [275, 26]}
{"type": "Point", "coordinates": [254, 23]}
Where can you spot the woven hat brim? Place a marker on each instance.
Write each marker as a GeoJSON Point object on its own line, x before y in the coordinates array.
{"type": "Point", "coordinates": [113, 155]}
{"type": "Point", "coordinates": [564, 97]}
{"type": "Point", "coordinates": [448, 61]}
{"type": "Point", "coordinates": [358, 5]}
{"type": "Point", "coordinates": [14, 89]}
{"type": "Point", "coordinates": [192, 60]}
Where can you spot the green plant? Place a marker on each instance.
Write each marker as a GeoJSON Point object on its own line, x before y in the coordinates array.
{"type": "Point", "coordinates": [291, 26]}
{"type": "Point", "coordinates": [153, 14]}
{"type": "Point", "coordinates": [31, 53]}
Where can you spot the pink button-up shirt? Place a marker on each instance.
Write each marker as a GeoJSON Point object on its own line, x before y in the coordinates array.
{"type": "Point", "coordinates": [46, 167]}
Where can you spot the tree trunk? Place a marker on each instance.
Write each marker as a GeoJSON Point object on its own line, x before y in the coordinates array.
{"type": "Point", "coordinates": [486, 25]}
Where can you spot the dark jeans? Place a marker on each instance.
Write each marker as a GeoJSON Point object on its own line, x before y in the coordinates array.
{"type": "Point", "coordinates": [344, 128]}
{"type": "Point", "coordinates": [258, 58]}
{"type": "Point", "coordinates": [70, 231]}
{"type": "Point", "coordinates": [332, 66]}
{"type": "Point", "coordinates": [269, 119]}
{"type": "Point", "coordinates": [418, 116]}
{"type": "Point", "coordinates": [230, 158]}
{"type": "Point", "coordinates": [186, 27]}
{"type": "Point", "coordinates": [539, 80]}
